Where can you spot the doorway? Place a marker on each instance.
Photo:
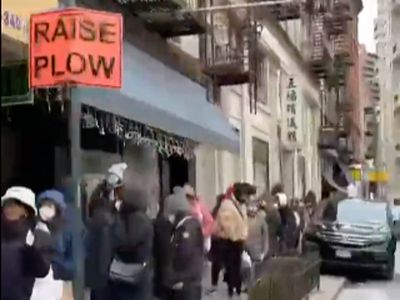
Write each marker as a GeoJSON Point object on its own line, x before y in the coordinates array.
{"type": "Point", "coordinates": [175, 171]}
{"type": "Point", "coordinates": [178, 171]}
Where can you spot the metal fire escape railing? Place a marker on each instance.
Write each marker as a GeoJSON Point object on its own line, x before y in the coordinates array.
{"type": "Point", "coordinates": [333, 55]}
{"type": "Point", "coordinates": [338, 16]}
{"type": "Point", "coordinates": [321, 57]}
{"type": "Point", "coordinates": [165, 16]}
{"type": "Point", "coordinates": [231, 55]}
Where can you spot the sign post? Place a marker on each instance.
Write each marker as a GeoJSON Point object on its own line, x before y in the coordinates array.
{"type": "Point", "coordinates": [68, 48]}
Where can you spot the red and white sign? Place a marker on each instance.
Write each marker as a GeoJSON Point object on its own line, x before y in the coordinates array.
{"type": "Point", "coordinates": [75, 46]}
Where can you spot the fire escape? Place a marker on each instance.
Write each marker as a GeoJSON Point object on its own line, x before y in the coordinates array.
{"type": "Point", "coordinates": [230, 55]}
{"type": "Point", "coordinates": [165, 18]}
{"type": "Point", "coordinates": [346, 73]}
{"type": "Point", "coordinates": [333, 54]}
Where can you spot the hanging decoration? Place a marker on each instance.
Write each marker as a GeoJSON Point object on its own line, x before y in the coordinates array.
{"type": "Point", "coordinates": [136, 133]}
{"type": "Point", "coordinates": [55, 98]}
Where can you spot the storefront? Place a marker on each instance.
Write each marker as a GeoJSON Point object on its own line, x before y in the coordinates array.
{"type": "Point", "coordinates": [165, 106]}
{"type": "Point", "coordinates": [23, 125]}
{"type": "Point", "coordinates": [153, 96]}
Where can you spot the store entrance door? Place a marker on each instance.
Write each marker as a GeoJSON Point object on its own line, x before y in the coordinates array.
{"type": "Point", "coordinates": [178, 171]}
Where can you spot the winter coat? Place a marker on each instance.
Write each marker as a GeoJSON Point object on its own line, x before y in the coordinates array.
{"type": "Point", "coordinates": [161, 253]}
{"type": "Point", "coordinates": [62, 264]}
{"type": "Point", "coordinates": [231, 222]}
{"type": "Point", "coordinates": [185, 263]}
{"type": "Point", "coordinates": [290, 230]}
{"type": "Point", "coordinates": [257, 240]}
{"type": "Point", "coordinates": [133, 244]}
{"type": "Point", "coordinates": [21, 264]}
{"type": "Point", "coordinates": [99, 248]}
{"type": "Point", "coordinates": [133, 232]}
{"type": "Point", "coordinates": [201, 211]}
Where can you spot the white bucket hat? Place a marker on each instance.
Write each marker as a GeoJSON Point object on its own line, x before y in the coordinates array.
{"type": "Point", "coordinates": [22, 194]}
{"type": "Point", "coordinates": [115, 174]}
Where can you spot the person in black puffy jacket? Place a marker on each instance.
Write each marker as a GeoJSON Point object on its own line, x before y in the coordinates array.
{"type": "Point", "coordinates": [184, 267]}
{"type": "Point", "coordinates": [133, 244]}
{"type": "Point", "coordinates": [24, 244]}
{"type": "Point", "coordinates": [161, 253]}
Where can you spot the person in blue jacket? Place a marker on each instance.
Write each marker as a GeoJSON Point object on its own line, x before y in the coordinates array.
{"type": "Point", "coordinates": [52, 211]}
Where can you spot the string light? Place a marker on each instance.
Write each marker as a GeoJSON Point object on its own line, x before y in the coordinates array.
{"type": "Point", "coordinates": [131, 132]}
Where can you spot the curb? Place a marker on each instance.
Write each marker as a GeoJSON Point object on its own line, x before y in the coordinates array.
{"type": "Point", "coordinates": [329, 294]}
{"type": "Point", "coordinates": [340, 289]}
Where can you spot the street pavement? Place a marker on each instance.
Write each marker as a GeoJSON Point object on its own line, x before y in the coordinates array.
{"type": "Point", "coordinates": [374, 289]}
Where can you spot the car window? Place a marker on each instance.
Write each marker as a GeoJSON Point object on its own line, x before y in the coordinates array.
{"type": "Point", "coordinates": [355, 211]}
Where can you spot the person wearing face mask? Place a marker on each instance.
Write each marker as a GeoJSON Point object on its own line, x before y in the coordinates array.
{"type": "Point", "coordinates": [183, 265]}
{"type": "Point", "coordinates": [103, 206]}
{"type": "Point", "coordinates": [200, 210]}
{"type": "Point", "coordinates": [232, 228]}
{"type": "Point", "coordinates": [25, 244]}
{"type": "Point", "coordinates": [131, 267]}
{"type": "Point", "coordinates": [52, 208]}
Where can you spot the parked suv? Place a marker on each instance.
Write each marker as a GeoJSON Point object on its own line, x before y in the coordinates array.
{"type": "Point", "coordinates": [355, 234]}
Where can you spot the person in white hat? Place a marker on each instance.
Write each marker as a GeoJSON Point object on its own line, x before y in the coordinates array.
{"type": "Point", "coordinates": [24, 244]}
{"type": "Point", "coordinates": [104, 203]}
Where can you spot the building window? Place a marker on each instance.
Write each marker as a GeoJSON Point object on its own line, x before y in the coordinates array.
{"type": "Point", "coordinates": [273, 82]}
{"type": "Point", "coordinates": [261, 165]}
{"type": "Point", "coordinates": [263, 81]}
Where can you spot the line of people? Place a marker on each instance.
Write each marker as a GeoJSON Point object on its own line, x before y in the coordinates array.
{"type": "Point", "coordinates": [130, 256]}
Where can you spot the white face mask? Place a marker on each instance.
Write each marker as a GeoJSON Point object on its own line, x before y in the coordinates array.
{"type": "Point", "coordinates": [118, 204]}
{"type": "Point", "coordinates": [47, 213]}
{"type": "Point", "coordinates": [171, 219]}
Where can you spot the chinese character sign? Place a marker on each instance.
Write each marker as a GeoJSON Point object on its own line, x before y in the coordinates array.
{"type": "Point", "coordinates": [291, 112]}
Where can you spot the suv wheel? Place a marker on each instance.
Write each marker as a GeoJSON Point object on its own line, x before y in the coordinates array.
{"type": "Point", "coordinates": [389, 272]}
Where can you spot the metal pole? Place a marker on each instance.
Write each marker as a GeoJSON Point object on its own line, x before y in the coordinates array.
{"type": "Point", "coordinates": [236, 6]}
{"type": "Point", "coordinates": [379, 159]}
{"type": "Point", "coordinates": [76, 172]}
{"type": "Point", "coordinates": [243, 151]}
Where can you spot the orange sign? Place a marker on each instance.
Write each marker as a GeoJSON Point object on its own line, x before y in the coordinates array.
{"type": "Point", "coordinates": [75, 46]}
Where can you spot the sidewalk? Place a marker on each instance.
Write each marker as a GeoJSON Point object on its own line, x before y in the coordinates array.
{"type": "Point", "coordinates": [222, 292]}
{"type": "Point", "coordinates": [329, 289]}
